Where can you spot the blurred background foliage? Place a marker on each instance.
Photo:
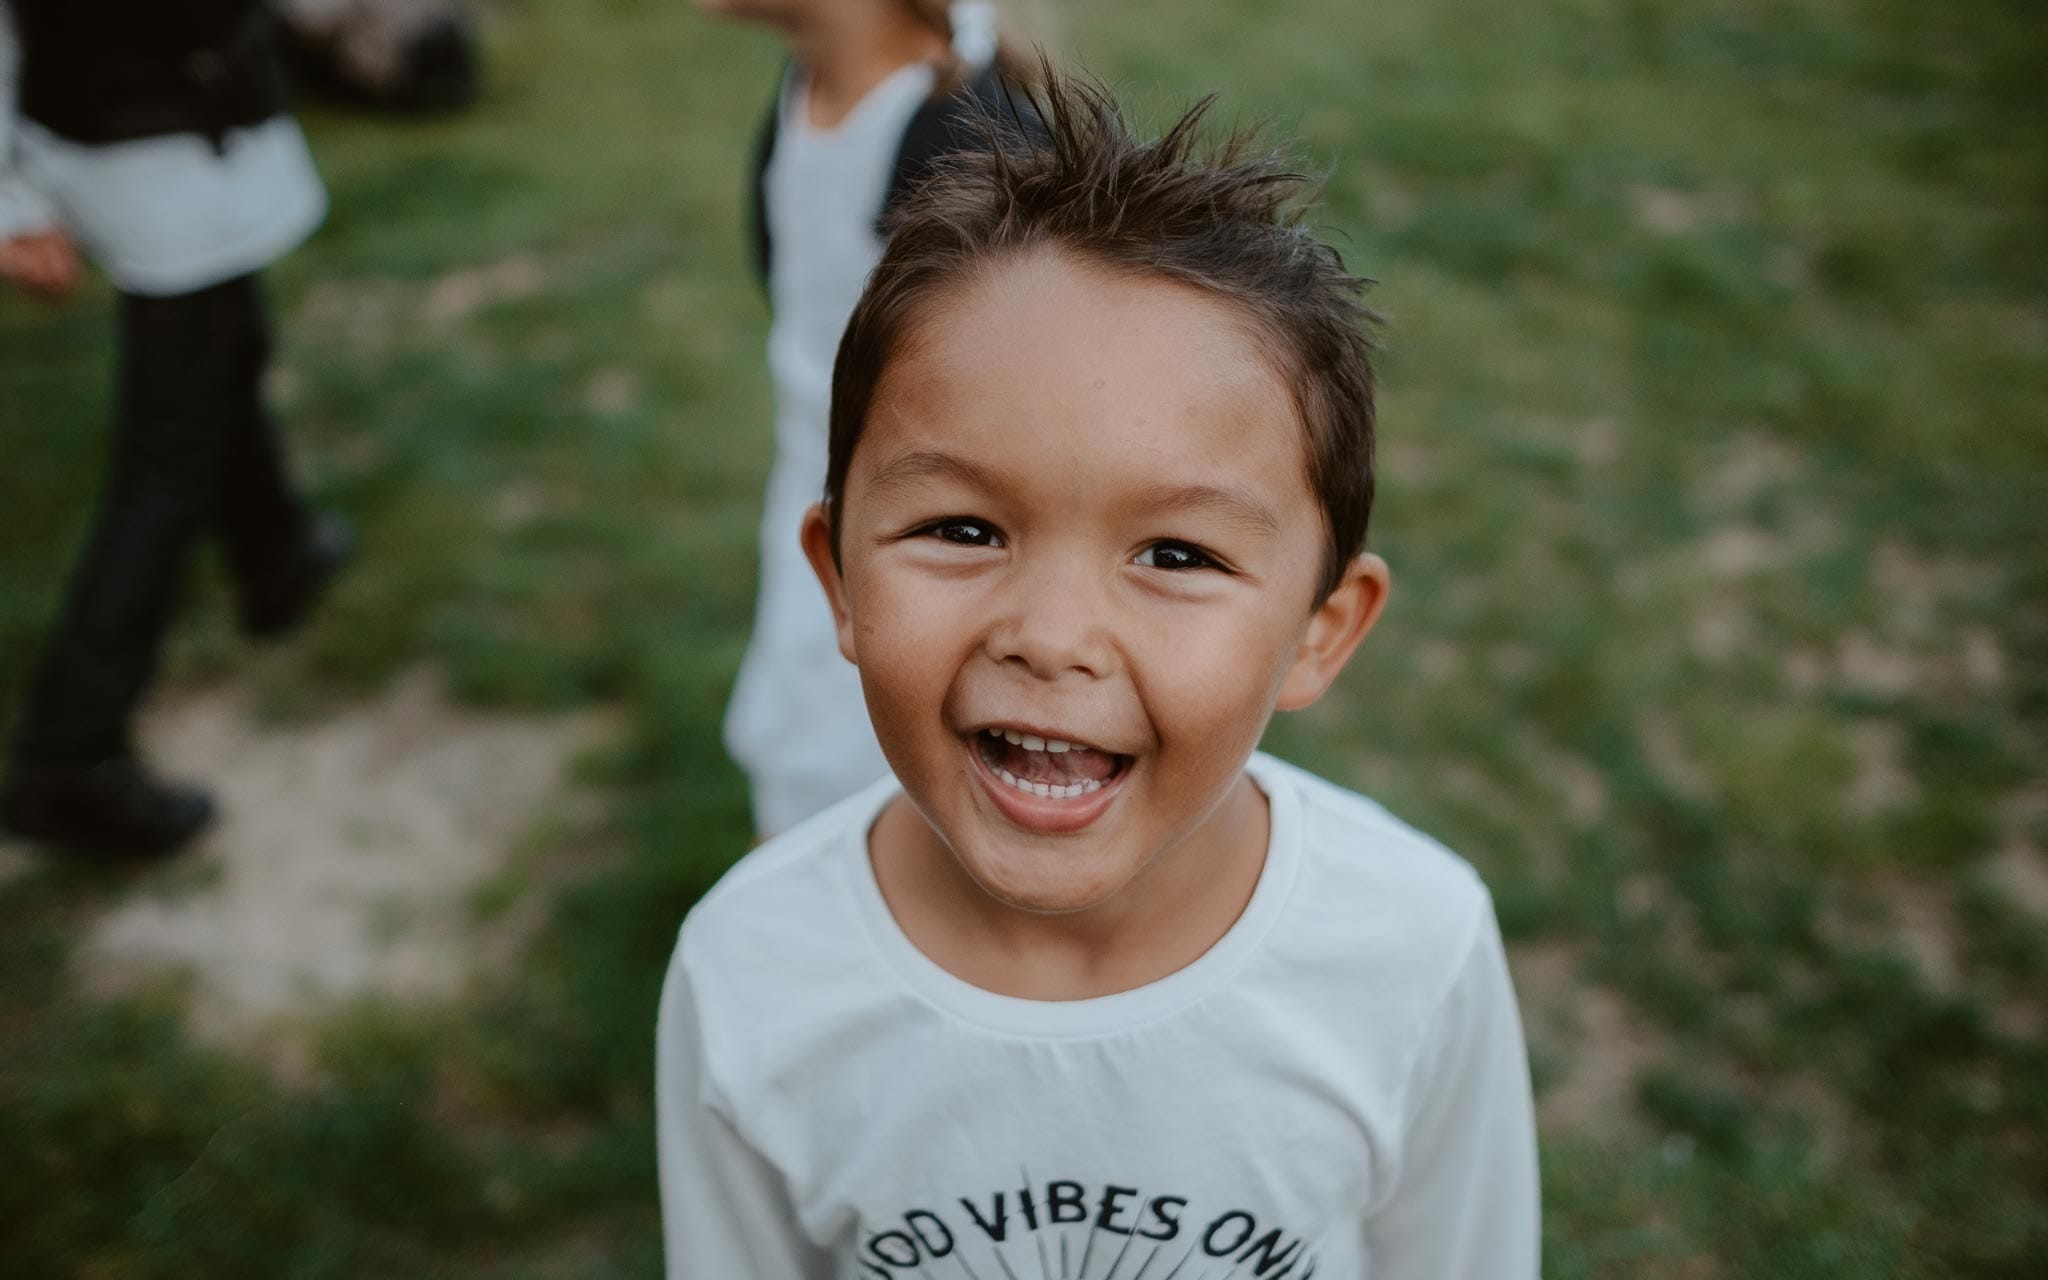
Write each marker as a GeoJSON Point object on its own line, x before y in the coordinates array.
{"type": "Point", "coordinates": [1715, 451]}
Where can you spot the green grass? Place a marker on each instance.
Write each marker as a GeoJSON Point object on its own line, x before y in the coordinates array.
{"type": "Point", "coordinates": [1715, 439]}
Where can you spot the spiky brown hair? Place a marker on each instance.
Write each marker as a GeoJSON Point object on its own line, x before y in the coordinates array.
{"type": "Point", "coordinates": [1063, 170]}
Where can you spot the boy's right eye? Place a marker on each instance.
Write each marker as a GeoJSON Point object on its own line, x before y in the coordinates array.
{"type": "Point", "coordinates": [965, 532]}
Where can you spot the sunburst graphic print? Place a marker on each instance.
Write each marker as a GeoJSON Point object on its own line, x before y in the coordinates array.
{"type": "Point", "coordinates": [1063, 1229]}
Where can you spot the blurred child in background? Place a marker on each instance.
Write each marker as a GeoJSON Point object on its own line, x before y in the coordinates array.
{"type": "Point", "coordinates": [875, 91]}
{"type": "Point", "coordinates": [153, 136]}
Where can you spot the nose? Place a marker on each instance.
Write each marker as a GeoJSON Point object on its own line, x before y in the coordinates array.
{"type": "Point", "coordinates": [1055, 623]}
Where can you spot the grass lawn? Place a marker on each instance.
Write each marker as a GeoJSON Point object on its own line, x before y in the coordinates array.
{"type": "Point", "coordinates": [1715, 451]}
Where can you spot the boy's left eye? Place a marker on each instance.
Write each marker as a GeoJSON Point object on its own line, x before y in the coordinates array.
{"type": "Point", "coordinates": [964, 531]}
{"type": "Point", "coordinates": [1176, 555]}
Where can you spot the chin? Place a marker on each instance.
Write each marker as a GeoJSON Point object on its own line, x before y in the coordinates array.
{"type": "Point", "coordinates": [1030, 889]}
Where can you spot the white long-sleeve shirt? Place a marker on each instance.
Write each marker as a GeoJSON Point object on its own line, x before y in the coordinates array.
{"type": "Point", "coordinates": [798, 724]}
{"type": "Point", "coordinates": [160, 216]}
{"type": "Point", "coordinates": [1337, 1088]}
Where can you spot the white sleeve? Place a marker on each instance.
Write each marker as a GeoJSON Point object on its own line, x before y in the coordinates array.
{"type": "Point", "coordinates": [23, 209]}
{"type": "Point", "coordinates": [725, 1211]}
{"type": "Point", "coordinates": [1465, 1200]}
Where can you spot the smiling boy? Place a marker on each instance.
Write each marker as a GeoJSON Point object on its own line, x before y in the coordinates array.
{"type": "Point", "coordinates": [1089, 989]}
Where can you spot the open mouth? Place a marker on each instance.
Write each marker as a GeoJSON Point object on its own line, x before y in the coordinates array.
{"type": "Point", "coordinates": [1049, 768]}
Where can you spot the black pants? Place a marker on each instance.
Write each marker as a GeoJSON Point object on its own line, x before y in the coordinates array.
{"type": "Point", "coordinates": [194, 451]}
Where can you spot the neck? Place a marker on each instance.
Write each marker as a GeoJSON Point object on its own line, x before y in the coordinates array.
{"type": "Point", "coordinates": [848, 50]}
{"type": "Point", "coordinates": [1160, 923]}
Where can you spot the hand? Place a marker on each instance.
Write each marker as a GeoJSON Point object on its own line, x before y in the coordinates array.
{"type": "Point", "coordinates": [43, 263]}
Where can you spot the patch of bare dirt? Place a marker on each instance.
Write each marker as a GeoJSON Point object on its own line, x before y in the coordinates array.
{"type": "Point", "coordinates": [347, 859]}
{"type": "Point", "coordinates": [1804, 671]}
{"type": "Point", "coordinates": [1417, 462]}
{"type": "Point", "coordinates": [1927, 928]}
{"type": "Point", "coordinates": [1740, 550]}
{"type": "Point", "coordinates": [2021, 872]}
{"type": "Point", "coordinates": [1736, 550]}
{"type": "Point", "coordinates": [1665, 749]}
{"type": "Point", "coordinates": [459, 293]}
{"type": "Point", "coordinates": [1672, 212]}
{"type": "Point", "coordinates": [1438, 661]}
{"type": "Point", "coordinates": [363, 316]}
{"type": "Point", "coordinates": [1599, 1044]}
{"type": "Point", "coordinates": [1869, 665]}
{"type": "Point", "coordinates": [1512, 661]}
{"type": "Point", "coordinates": [1735, 554]}
{"type": "Point", "coordinates": [1583, 785]}
{"type": "Point", "coordinates": [517, 505]}
{"type": "Point", "coordinates": [1913, 916]}
{"type": "Point", "coordinates": [1475, 788]}
{"type": "Point", "coordinates": [1720, 631]}
{"type": "Point", "coordinates": [1576, 782]}
{"type": "Point", "coordinates": [1880, 784]}
{"type": "Point", "coordinates": [612, 391]}
{"type": "Point", "coordinates": [1983, 659]}
{"type": "Point", "coordinates": [1920, 590]}
{"type": "Point", "coordinates": [1912, 645]}
{"type": "Point", "coordinates": [1755, 463]}
{"type": "Point", "coordinates": [1841, 1138]}
{"type": "Point", "coordinates": [1597, 442]}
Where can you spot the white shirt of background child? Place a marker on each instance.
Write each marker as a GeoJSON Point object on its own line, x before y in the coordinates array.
{"type": "Point", "coordinates": [798, 724]}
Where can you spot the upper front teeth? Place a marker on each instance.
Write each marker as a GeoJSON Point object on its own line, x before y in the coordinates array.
{"type": "Point", "coordinates": [1031, 742]}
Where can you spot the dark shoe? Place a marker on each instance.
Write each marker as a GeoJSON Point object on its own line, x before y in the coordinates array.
{"type": "Point", "coordinates": [275, 601]}
{"type": "Point", "coordinates": [112, 808]}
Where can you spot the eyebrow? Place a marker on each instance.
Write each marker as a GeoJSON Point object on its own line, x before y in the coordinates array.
{"type": "Point", "coordinates": [926, 464]}
{"type": "Point", "coordinates": [1228, 503]}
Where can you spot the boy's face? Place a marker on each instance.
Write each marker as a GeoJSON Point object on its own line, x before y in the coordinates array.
{"type": "Point", "coordinates": [1079, 516]}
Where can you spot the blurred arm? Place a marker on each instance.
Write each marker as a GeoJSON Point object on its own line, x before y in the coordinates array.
{"type": "Point", "coordinates": [725, 1211]}
{"type": "Point", "coordinates": [1465, 1201]}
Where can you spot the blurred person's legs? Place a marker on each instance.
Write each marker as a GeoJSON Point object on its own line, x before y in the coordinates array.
{"type": "Point", "coordinates": [193, 450]}
{"type": "Point", "coordinates": [280, 554]}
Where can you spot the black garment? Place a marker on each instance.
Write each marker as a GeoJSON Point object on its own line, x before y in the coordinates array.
{"type": "Point", "coordinates": [100, 71]}
{"type": "Point", "coordinates": [194, 451]}
{"type": "Point", "coordinates": [949, 121]}
{"type": "Point", "coordinates": [423, 58]}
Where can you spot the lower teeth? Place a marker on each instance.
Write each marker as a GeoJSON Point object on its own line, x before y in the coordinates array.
{"type": "Point", "coordinates": [1050, 790]}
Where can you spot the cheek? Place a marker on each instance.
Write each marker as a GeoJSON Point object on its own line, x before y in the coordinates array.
{"type": "Point", "coordinates": [906, 640]}
{"type": "Point", "coordinates": [1211, 687]}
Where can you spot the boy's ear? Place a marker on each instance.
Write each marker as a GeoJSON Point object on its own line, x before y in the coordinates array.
{"type": "Point", "coordinates": [1334, 630]}
{"type": "Point", "coordinates": [817, 539]}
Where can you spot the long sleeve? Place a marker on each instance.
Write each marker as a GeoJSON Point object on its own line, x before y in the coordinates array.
{"type": "Point", "coordinates": [1465, 1202]}
{"type": "Point", "coordinates": [725, 1211]}
{"type": "Point", "coordinates": [23, 209]}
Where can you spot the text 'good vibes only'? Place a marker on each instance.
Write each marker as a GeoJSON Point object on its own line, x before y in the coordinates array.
{"type": "Point", "coordinates": [1065, 1228]}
